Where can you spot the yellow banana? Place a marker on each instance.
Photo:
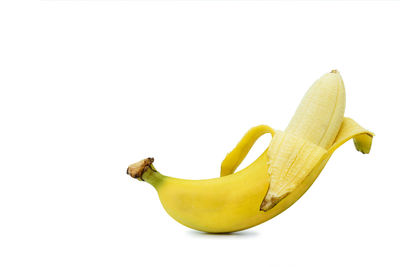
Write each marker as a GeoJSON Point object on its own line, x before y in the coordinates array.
{"type": "Point", "coordinates": [275, 180]}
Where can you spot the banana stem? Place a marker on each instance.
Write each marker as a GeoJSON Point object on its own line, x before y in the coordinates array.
{"type": "Point", "coordinates": [136, 170]}
{"type": "Point", "coordinates": [144, 171]}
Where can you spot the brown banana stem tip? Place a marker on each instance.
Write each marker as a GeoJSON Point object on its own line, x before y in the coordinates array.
{"type": "Point", "coordinates": [137, 169]}
{"type": "Point", "coordinates": [270, 202]}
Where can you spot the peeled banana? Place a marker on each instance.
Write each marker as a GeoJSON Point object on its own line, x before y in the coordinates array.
{"type": "Point", "coordinates": [276, 179]}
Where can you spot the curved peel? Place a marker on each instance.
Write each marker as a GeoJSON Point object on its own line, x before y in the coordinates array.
{"type": "Point", "coordinates": [236, 156]}
{"type": "Point", "coordinates": [350, 129]}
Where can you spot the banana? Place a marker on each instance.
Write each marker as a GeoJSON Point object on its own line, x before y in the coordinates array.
{"type": "Point", "coordinates": [276, 179]}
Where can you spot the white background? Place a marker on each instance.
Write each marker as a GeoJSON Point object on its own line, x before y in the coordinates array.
{"type": "Point", "coordinates": [89, 87]}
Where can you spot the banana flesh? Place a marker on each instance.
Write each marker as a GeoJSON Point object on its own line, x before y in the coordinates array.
{"type": "Point", "coordinates": [320, 114]}
{"type": "Point", "coordinates": [313, 128]}
{"type": "Point", "coordinates": [289, 159]}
